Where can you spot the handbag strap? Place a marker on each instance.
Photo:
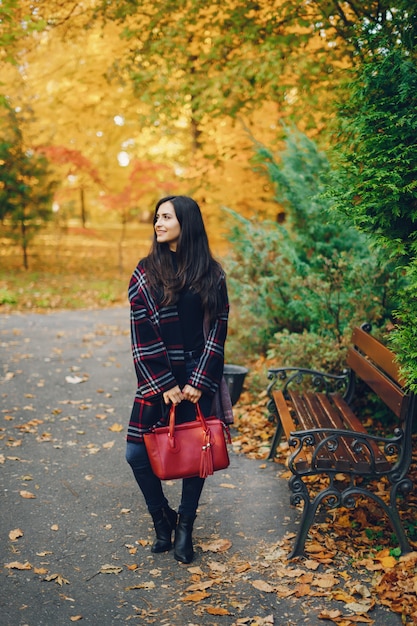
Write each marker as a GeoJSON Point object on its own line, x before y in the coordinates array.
{"type": "Point", "coordinates": [199, 415]}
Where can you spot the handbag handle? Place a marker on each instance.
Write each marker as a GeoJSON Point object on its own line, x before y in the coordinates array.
{"type": "Point", "coordinates": [200, 416]}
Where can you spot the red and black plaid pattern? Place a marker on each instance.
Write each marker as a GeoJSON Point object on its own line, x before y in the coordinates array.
{"type": "Point", "coordinates": [158, 353]}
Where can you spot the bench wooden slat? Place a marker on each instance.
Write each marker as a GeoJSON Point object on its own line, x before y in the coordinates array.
{"type": "Point", "coordinates": [354, 423]}
{"type": "Point", "coordinates": [288, 425]}
{"type": "Point", "coordinates": [387, 390]}
{"type": "Point", "coordinates": [378, 353]}
{"type": "Point", "coordinates": [346, 457]}
{"type": "Point", "coordinates": [314, 414]}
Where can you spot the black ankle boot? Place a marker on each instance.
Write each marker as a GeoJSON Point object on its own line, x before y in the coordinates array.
{"type": "Point", "coordinates": [183, 546]}
{"type": "Point", "coordinates": [164, 522]}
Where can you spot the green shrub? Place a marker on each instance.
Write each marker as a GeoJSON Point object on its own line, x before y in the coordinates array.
{"type": "Point", "coordinates": [6, 297]}
{"type": "Point", "coordinates": [311, 274]}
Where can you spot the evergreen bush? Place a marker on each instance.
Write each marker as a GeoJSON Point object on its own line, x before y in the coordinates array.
{"type": "Point", "coordinates": [306, 281]}
{"type": "Point", "coordinates": [375, 183]}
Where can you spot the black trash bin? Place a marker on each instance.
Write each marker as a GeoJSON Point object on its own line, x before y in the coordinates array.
{"type": "Point", "coordinates": [234, 376]}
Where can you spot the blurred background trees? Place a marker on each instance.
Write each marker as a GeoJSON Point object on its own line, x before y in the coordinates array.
{"type": "Point", "coordinates": [297, 116]}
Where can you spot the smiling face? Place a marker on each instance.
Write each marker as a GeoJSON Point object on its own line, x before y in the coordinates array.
{"type": "Point", "coordinates": [167, 226]}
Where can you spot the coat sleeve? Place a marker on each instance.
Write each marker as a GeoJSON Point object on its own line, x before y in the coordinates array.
{"type": "Point", "coordinates": [209, 371]}
{"type": "Point", "coordinates": [150, 357]}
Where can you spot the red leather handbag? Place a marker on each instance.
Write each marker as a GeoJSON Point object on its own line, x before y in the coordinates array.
{"type": "Point", "coordinates": [195, 448]}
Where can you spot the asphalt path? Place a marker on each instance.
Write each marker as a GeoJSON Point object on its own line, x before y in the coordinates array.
{"type": "Point", "coordinates": [75, 536]}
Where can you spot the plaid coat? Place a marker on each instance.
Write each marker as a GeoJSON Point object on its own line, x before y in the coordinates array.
{"type": "Point", "coordinates": [158, 356]}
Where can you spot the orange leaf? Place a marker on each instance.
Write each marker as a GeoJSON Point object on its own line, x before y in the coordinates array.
{"type": "Point", "coordinates": [18, 565]}
{"type": "Point", "coordinates": [27, 494]}
{"type": "Point", "coordinates": [196, 597]}
{"type": "Point", "coordinates": [388, 562]}
{"type": "Point", "coordinates": [217, 610]}
{"type": "Point", "coordinates": [261, 585]}
{"type": "Point", "coordinates": [325, 614]}
{"type": "Point", "coordinates": [116, 428]}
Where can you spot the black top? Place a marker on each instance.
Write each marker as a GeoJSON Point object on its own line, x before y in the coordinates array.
{"type": "Point", "coordinates": [190, 312]}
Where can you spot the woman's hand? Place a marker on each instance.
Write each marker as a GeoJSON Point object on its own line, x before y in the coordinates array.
{"type": "Point", "coordinates": [173, 395]}
{"type": "Point", "coordinates": [191, 393]}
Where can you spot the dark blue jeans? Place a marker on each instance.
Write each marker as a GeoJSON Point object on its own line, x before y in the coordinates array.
{"type": "Point", "coordinates": [151, 486]}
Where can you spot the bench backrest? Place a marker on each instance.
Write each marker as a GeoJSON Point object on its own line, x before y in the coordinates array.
{"type": "Point", "coordinates": [375, 364]}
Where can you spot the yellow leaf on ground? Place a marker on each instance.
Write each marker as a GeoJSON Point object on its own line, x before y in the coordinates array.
{"type": "Point", "coordinates": [243, 567]}
{"type": "Point", "coordinates": [261, 585]}
{"type": "Point", "coordinates": [15, 534]}
{"type": "Point", "coordinates": [331, 615]}
{"type": "Point", "coordinates": [27, 494]}
{"type": "Point", "coordinates": [219, 545]}
{"type": "Point", "coordinates": [116, 428]}
{"type": "Point", "coordinates": [388, 561]}
{"type": "Point", "coordinates": [18, 565]}
{"type": "Point", "coordinates": [216, 610]}
{"type": "Point", "coordinates": [147, 585]}
{"type": "Point", "coordinates": [326, 581]}
{"type": "Point", "coordinates": [60, 580]}
{"type": "Point", "coordinates": [196, 597]}
{"type": "Point", "coordinates": [110, 569]}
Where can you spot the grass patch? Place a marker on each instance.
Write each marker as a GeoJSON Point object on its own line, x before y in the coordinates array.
{"type": "Point", "coordinates": [77, 269]}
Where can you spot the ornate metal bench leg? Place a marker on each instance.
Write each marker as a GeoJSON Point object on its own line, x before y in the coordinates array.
{"type": "Point", "coordinates": [275, 441]}
{"type": "Point", "coordinates": [405, 485]}
{"type": "Point", "coordinates": [300, 494]}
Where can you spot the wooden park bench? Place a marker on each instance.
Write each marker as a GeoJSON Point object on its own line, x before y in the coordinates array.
{"type": "Point", "coordinates": [328, 439]}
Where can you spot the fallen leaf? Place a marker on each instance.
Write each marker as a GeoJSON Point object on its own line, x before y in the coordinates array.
{"type": "Point", "coordinates": [27, 494]}
{"type": "Point", "coordinates": [388, 562]}
{"type": "Point", "coordinates": [60, 580]}
{"type": "Point", "coordinates": [219, 545]}
{"type": "Point", "coordinates": [359, 607]}
{"type": "Point", "coordinates": [76, 618]}
{"type": "Point", "coordinates": [196, 597]}
{"type": "Point", "coordinates": [148, 585]}
{"type": "Point", "coordinates": [75, 380]}
{"type": "Point", "coordinates": [216, 610]}
{"type": "Point", "coordinates": [243, 567]}
{"type": "Point", "coordinates": [18, 565]}
{"type": "Point", "coordinates": [261, 585]}
{"type": "Point", "coordinates": [110, 569]}
{"type": "Point", "coordinates": [217, 567]}
{"type": "Point", "coordinates": [116, 428]}
{"type": "Point", "coordinates": [325, 581]}
{"type": "Point", "coordinates": [201, 585]}
{"type": "Point", "coordinates": [15, 534]}
{"type": "Point", "coordinates": [330, 614]}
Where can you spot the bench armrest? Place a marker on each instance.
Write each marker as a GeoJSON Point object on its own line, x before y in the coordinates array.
{"type": "Point", "coordinates": [320, 442]}
{"type": "Point", "coordinates": [301, 378]}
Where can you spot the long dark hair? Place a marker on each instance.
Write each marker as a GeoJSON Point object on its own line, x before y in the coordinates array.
{"type": "Point", "coordinates": [196, 268]}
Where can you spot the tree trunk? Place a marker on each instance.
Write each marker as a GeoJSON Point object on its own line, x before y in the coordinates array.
{"type": "Point", "coordinates": [24, 244]}
{"type": "Point", "coordinates": [83, 209]}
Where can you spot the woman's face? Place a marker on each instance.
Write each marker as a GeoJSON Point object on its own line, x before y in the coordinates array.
{"type": "Point", "coordinates": [167, 227]}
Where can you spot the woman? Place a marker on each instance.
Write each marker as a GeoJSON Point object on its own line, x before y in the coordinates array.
{"type": "Point", "coordinates": [179, 313]}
